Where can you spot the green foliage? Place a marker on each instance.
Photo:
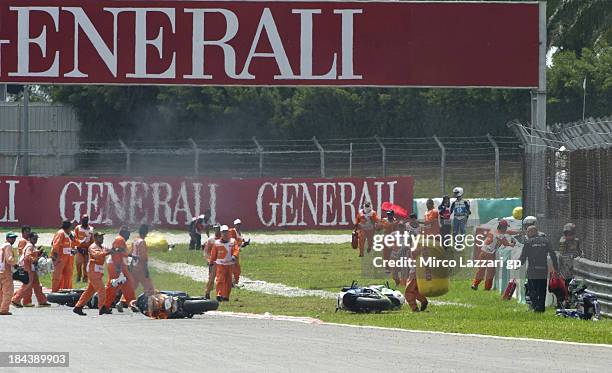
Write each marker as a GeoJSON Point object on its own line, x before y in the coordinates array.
{"type": "Point", "coordinates": [110, 112]}
{"type": "Point", "coordinates": [155, 113]}
{"type": "Point", "coordinates": [149, 113]}
{"type": "Point", "coordinates": [575, 24]}
{"type": "Point", "coordinates": [565, 81]}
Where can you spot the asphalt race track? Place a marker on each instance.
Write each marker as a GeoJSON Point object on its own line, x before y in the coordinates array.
{"type": "Point", "coordinates": [212, 343]}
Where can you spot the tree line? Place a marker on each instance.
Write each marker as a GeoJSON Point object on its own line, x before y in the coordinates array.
{"type": "Point", "coordinates": [579, 31]}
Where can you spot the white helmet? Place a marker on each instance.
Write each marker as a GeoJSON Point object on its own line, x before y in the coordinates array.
{"type": "Point", "coordinates": [44, 265]}
{"type": "Point", "coordinates": [458, 191]}
{"type": "Point", "coordinates": [529, 220]}
{"type": "Point", "coordinates": [120, 280]}
{"type": "Point", "coordinates": [170, 304]}
{"type": "Point", "coordinates": [399, 296]}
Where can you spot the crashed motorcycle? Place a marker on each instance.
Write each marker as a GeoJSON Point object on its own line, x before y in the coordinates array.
{"type": "Point", "coordinates": [362, 299]}
{"type": "Point", "coordinates": [174, 305]}
{"type": "Point", "coordinates": [395, 296]}
{"type": "Point", "coordinates": [583, 305]}
{"type": "Point", "coordinates": [70, 297]}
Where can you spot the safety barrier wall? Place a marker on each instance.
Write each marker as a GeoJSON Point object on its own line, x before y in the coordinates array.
{"type": "Point", "coordinates": [598, 278]}
{"type": "Point", "coordinates": [171, 202]}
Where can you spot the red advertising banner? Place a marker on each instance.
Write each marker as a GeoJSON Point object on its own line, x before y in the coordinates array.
{"type": "Point", "coordinates": [171, 202]}
{"type": "Point", "coordinates": [348, 43]}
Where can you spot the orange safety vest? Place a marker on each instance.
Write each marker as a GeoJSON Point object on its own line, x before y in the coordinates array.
{"type": "Point", "coordinates": [390, 226]}
{"type": "Point", "coordinates": [223, 251]}
{"type": "Point", "coordinates": [21, 245]}
{"type": "Point", "coordinates": [209, 245]}
{"type": "Point", "coordinates": [29, 257]}
{"type": "Point", "coordinates": [494, 240]}
{"type": "Point", "coordinates": [366, 221]}
{"type": "Point", "coordinates": [62, 245]}
{"type": "Point", "coordinates": [233, 233]}
{"type": "Point", "coordinates": [96, 259]}
{"type": "Point", "coordinates": [6, 259]}
{"type": "Point", "coordinates": [83, 236]}
{"type": "Point", "coordinates": [120, 258]}
{"type": "Point", "coordinates": [432, 225]}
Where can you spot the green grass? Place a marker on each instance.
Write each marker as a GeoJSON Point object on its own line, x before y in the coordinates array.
{"type": "Point", "coordinates": [488, 315]}
{"type": "Point", "coordinates": [307, 266]}
{"type": "Point", "coordinates": [476, 186]}
{"type": "Point", "coordinates": [329, 267]}
{"type": "Point", "coordinates": [17, 230]}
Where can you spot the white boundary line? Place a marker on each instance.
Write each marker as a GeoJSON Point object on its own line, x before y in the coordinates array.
{"type": "Point", "coordinates": [472, 335]}
{"type": "Point", "coordinates": [315, 321]}
{"type": "Point", "coordinates": [266, 316]}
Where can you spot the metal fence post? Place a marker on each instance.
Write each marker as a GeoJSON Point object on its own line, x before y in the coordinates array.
{"type": "Point", "coordinates": [322, 151]}
{"type": "Point", "coordinates": [442, 164]}
{"type": "Point", "coordinates": [384, 155]}
{"type": "Point", "coordinates": [529, 175]}
{"type": "Point", "coordinates": [196, 159]}
{"type": "Point", "coordinates": [128, 157]}
{"type": "Point", "coordinates": [497, 174]}
{"type": "Point", "coordinates": [540, 123]}
{"type": "Point", "coordinates": [350, 159]}
{"type": "Point", "coordinates": [260, 152]}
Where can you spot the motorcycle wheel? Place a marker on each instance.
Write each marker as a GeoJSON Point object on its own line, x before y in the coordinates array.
{"type": "Point", "coordinates": [197, 306]}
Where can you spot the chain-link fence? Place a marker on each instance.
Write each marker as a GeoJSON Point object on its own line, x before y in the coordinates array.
{"type": "Point", "coordinates": [591, 178]}
{"type": "Point", "coordinates": [568, 171]}
{"type": "Point", "coordinates": [485, 166]}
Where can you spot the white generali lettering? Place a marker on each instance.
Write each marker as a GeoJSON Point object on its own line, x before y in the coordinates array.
{"type": "Point", "coordinates": [9, 215]}
{"type": "Point", "coordinates": [273, 205]}
{"type": "Point", "coordinates": [132, 202]}
{"type": "Point", "coordinates": [287, 206]}
{"type": "Point", "coordinates": [350, 204]}
{"type": "Point", "coordinates": [142, 42]}
{"type": "Point", "coordinates": [82, 22]}
{"type": "Point", "coordinates": [329, 194]}
{"type": "Point", "coordinates": [317, 204]}
{"type": "Point", "coordinates": [78, 187]}
{"type": "Point", "coordinates": [199, 41]}
{"type": "Point", "coordinates": [24, 41]}
{"type": "Point", "coordinates": [38, 28]}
